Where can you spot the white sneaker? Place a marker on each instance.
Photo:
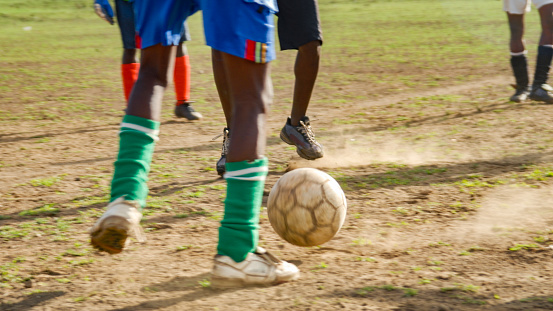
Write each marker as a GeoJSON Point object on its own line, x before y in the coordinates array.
{"type": "Point", "coordinates": [259, 268]}
{"type": "Point", "coordinates": [121, 219]}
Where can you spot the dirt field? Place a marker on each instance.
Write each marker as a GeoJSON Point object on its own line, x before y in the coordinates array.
{"type": "Point", "coordinates": [448, 184]}
{"type": "Point", "coordinates": [448, 192]}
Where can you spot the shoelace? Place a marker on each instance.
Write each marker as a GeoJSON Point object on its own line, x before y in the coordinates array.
{"type": "Point", "coordinates": [226, 142]}
{"type": "Point", "coordinates": [269, 257]}
{"type": "Point", "coordinates": [306, 131]}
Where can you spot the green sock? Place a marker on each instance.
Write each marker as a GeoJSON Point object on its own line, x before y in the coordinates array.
{"type": "Point", "coordinates": [136, 146]}
{"type": "Point", "coordinates": [239, 231]}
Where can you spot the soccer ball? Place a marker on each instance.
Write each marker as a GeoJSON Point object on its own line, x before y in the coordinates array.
{"type": "Point", "coordinates": [306, 207]}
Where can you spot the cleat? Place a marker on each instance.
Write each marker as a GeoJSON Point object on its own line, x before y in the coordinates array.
{"type": "Point", "coordinates": [220, 166]}
{"type": "Point", "coordinates": [542, 93]}
{"type": "Point", "coordinates": [111, 231]}
{"type": "Point", "coordinates": [521, 94]}
{"type": "Point", "coordinates": [186, 111]}
{"type": "Point", "coordinates": [303, 138]}
{"type": "Point", "coordinates": [258, 269]}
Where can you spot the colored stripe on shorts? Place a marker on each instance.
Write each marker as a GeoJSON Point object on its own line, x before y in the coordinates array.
{"type": "Point", "coordinates": [256, 51]}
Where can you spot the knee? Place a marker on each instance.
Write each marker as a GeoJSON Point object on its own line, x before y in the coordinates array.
{"type": "Point", "coordinates": [311, 49]}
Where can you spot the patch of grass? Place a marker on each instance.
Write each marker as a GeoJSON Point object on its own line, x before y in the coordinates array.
{"type": "Point", "coordinates": [183, 247]}
{"type": "Point", "coordinates": [204, 283]}
{"type": "Point", "coordinates": [518, 247]}
{"type": "Point", "coordinates": [46, 182]}
{"type": "Point", "coordinates": [47, 209]}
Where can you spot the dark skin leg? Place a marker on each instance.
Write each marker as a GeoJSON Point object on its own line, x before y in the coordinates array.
{"type": "Point", "coordinates": [219, 73]}
{"type": "Point", "coordinates": [305, 70]}
{"type": "Point", "coordinates": [181, 50]}
{"type": "Point", "coordinates": [516, 25]}
{"type": "Point", "coordinates": [250, 93]}
{"type": "Point", "coordinates": [546, 17]}
{"type": "Point", "coordinates": [129, 56]}
{"type": "Point", "coordinates": [156, 69]}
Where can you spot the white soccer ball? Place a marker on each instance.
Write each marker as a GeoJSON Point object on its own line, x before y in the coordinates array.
{"type": "Point", "coordinates": [307, 207]}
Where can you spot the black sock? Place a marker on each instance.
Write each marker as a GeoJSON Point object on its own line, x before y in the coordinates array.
{"type": "Point", "coordinates": [520, 70]}
{"type": "Point", "coordinates": [545, 54]}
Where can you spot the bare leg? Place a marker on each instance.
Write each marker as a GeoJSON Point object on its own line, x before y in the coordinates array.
{"type": "Point", "coordinates": [516, 25]}
{"type": "Point", "coordinates": [129, 56]}
{"type": "Point", "coordinates": [546, 16]}
{"type": "Point", "coordinates": [221, 81]}
{"type": "Point", "coordinates": [250, 89]}
{"type": "Point", "coordinates": [156, 68]}
{"type": "Point", "coordinates": [306, 70]}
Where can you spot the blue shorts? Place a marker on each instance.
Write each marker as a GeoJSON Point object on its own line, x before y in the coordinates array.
{"type": "Point", "coordinates": [241, 28]}
{"type": "Point", "coordinates": [125, 19]}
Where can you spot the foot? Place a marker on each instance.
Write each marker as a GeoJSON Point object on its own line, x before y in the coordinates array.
{"type": "Point", "coordinates": [111, 231]}
{"type": "Point", "coordinates": [224, 150]}
{"type": "Point", "coordinates": [259, 268]}
{"type": "Point", "coordinates": [186, 111]}
{"type": "Point", "coordinates": [542, 93]}
{"type": "Point", "coordinates": [303, 138]}
{"type": "Point", "coordinates": [521, 94]}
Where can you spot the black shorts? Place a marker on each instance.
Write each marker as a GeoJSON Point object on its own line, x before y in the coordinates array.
{"type": "Point", "coordinates": [298, 23]}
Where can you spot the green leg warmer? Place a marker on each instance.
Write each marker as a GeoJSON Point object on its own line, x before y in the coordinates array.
{"type": "Point", "coordinates": [136, 146]}
{"type": "Point", "coordinates": [239, 231]}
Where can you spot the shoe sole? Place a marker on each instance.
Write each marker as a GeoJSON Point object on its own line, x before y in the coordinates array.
{"type": "Point", "coordinates": [187, 118]}
{"type": "Point", "coordinates": [221, 283]}
{"type": "Point", "coordinates": [298, 150]}
{"type": "Point", "coordinates": [547, 102]}
{"type": "Point", "coordinates": [112, 237]}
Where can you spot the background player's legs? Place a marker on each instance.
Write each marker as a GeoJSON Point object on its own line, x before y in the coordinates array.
{"type": "Point", "coordinates": [219, 74]}
{"type": "Point", "coordinates": [139, 131]}
{"type": "Point", "coordinates": [519, 62]}
{"type": "Point", "coordinates": [181, 79]}
{"type": "Point", "coordinates": [129, 64]}
{"type": "Point", "coordinates": [299, 28]}
{"type": "Point", "coordinates": [540, 90]}
{"type": "Point", "coordinates": [305, 70]}
{"type": "Point", "coordinates": [129, 71]}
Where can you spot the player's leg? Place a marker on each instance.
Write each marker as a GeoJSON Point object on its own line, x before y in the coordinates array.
{"type": "Point", "coordinates": [540, 90]}
{"type": "Point", "coordinates": [242, 34]}
{"type": "Point", "coordinates": [221, 81]}
{"type": "Point", "coordinates": [129, 65]}
{"type": "Point", "coordinates": [519, 62]}
{"type": "Point", "coordinates": [140, 127]}
{"type": "Point", "coordinates": [299, 28]}
{"type": "Point", "coordinates": [183, 107]}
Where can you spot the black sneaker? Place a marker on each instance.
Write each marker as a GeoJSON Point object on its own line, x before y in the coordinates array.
{"type": "Point", "coordinates": [224, 150]}
{"type": "Point", "coordinates": [186, 111]}
{"type": "Point", "coordinates": [303, 138]}
{"type": "Point", "coordinates": [542, 93]}
{"type": "Point", "coordinates": [521, 94]}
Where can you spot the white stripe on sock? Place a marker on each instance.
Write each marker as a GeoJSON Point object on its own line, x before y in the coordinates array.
{"type": "Point", "coordinates": [246, 171]}
{"type": "Point", "coordinates": [519, 53]}
{"type": "Point", "coordinates": [140, 128]}
{"type": "Point", "coordinates": [254, 178]}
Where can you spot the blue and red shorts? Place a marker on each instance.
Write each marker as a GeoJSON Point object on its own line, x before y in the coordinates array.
{"type": "Point", "coordinates": [243, 28]}
{"type": "Point", "coordinates": [124, 11]}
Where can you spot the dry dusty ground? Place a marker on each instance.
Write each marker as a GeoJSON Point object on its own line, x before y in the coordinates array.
{"type": "Point", "coordinates": [448, 189]}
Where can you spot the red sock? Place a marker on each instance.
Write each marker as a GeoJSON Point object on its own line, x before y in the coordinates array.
{"type": "Point", "coordinates": [130, 74]}
{"type": "Point", "coordinates": [182, 79]}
